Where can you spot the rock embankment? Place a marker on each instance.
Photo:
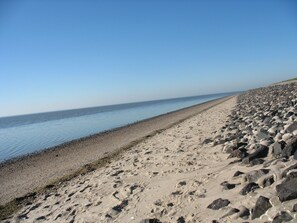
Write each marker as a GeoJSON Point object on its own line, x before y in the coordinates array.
{"type": "Point", "coordinates": [261, 134]}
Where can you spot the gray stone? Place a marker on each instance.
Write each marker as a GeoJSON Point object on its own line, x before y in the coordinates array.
{"type": "Point", "coordinates": [291, 128]}
{"type": "Point", "coordinates": [227, 186]}
{"type": "Point", "coordinates": [278, 137]}
{"type": "Point", "coordinates": [276, 149]}
{"type": "Point", "coordinates": [250, 187]}
{"type": "Point", "coordinates": [262, 205]}
{"type": "Point", "coordinates": [243, 213]}
{"type": "Point", "coordinates": [281, 217]}
{"type": "Point", "coordinates": [218, 204]}
{"type": "Point", "coordinates": [272, 130]}
{"type": "Point", "coordinates": [262, 134]}
{"type": "Point", "coordinates": [290, 148]}
{"type": "Point", "coordinates": [287, 190]}
{"type": "Point", "coordinates": [254, 175]}
{"type": "Point", "coordinates": [261, 152]}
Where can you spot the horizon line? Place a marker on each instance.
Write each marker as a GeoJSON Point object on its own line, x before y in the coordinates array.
{"type": "Point", "coordinates": [106, 105]}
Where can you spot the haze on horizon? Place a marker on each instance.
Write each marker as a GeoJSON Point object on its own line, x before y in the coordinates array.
{"type": "Point", "coordinates": [60, 54]}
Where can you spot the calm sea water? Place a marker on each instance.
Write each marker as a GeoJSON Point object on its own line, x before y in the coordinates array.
{"type": "Point", "coordinates": [21, 135]}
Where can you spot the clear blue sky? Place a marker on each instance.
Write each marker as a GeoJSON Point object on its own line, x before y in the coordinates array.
{"type": "Point", "coordinates": [61, 54]}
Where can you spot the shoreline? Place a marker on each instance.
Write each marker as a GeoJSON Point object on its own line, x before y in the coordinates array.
{"type": "Point", "coordinates": [34, 171]}
{"type": "Point", "coordinates": [100, 134]}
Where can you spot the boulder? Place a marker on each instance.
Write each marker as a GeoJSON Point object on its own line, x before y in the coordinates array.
{"type": "Point", "coordinates": [243, 213]}
{"type": "Point", "coordinates": [272, 130]}
{"type": "Point", "coordinates": [249, 188]}
{"type": "Point", "coordinates": [227, 186]}
{"type": "Point", "coordinates": [290, 148]}
{"type": "Point", "coordinates": [276, 149]}
{"type": "Point", "coordinates": [291, 128]}
{"type": "Point", "coordinates": [262, 134]}
{"type": "Point", "coordinates": [262, 205]}
{"type": "Point", "coordinates": [287, 190]}
{"type": "Point", "coordinates": [218, 204]}
{"type": "Point", "coordinates": [277, 137]}
{"type": "Point", "coordinates": [261, 152]}
{"type": "Point", "coordinates": [254, 175]}
{"type": "Point", "coordinates": [281, 217]}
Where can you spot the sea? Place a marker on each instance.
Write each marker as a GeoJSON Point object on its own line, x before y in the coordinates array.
{"type": "Point", "coordinates": [26, 134]}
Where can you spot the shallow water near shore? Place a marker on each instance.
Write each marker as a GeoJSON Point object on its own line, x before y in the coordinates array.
{"type": "Point", "coordinates": [21, 135]}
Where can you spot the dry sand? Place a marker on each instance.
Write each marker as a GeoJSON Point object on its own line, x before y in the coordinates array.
{"type": "Point", "coordinates": [171, 175]}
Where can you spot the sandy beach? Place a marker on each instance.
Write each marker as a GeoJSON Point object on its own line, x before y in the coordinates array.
{"type": "Point", "coordinates": [148, 111]}
{"type": "Point", "coordinates": [162, 176]}
{"type": "Point", "coordinates": [22, 176]}
{"type": "Point", "coordinates": [228, 160]}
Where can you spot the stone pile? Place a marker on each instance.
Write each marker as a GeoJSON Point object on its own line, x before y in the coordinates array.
{"type": "Point", "coordinates": [262, 132]}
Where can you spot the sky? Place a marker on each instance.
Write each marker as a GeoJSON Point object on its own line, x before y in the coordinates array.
{"type": "Point", "coordinates": [64, 54]}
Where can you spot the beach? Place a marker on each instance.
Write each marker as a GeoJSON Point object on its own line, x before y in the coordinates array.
{"type": "Point", "coordinates": [152, 170]}
{"type": "Point", "coordinates": [22, 176]}
{"type": "Point", "coordinates": [148, 111]}
{"type": "Point", "coordinates": [228, 160]}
